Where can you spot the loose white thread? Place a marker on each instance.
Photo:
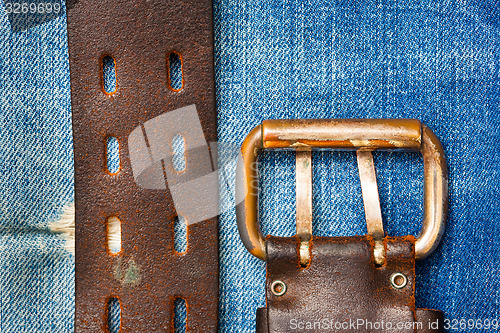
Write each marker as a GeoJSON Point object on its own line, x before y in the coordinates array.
{"type": "Point", "coordinates": [65, 227]}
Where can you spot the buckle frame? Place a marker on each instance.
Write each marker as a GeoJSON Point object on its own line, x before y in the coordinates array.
{"type": "Point", "coordinates": [363, 136]}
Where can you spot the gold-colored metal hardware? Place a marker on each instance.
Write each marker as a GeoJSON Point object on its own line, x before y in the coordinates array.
{"type": "Point", "coordinates": [362, 135]}
{"type": "Point", "coordinates": [371, 202]}
{"type": "Point", "coordinates": [303, 171]}
{"type": "Point", "coordinates": [278, 288]}
{"type": "Point", "coordinates": [399, 280]}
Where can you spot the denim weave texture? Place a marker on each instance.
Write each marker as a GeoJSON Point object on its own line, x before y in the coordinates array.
{"type": "Point", "coordinates": [436, 61]}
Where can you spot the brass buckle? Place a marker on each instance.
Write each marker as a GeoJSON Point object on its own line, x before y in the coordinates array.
{"type": "Point", "coordinates": [362, 135]}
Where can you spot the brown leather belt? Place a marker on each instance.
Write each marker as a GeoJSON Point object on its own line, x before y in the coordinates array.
{"type": "Point", "coordinates": [147, 274]}
{"type": "Point", "coordinates": [342, 290]}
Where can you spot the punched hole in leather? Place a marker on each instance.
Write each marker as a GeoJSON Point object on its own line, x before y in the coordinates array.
{"type": "Point", "coordinates": [344, 284]}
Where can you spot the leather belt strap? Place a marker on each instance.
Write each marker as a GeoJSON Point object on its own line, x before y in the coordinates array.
{"type": "Point", "coordinates": [147, 275]}
{"type": "Point", "coordinates": [343, 290]}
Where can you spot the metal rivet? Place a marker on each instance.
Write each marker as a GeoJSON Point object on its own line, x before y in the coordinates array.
{"type": "Point", "coordinates": [278, 288]}
{"type": "Point", "coordinates": [399, 280]}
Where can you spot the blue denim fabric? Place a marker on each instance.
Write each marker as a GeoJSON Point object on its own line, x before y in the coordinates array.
{"type": "Point", "coordinates": [36, 168]}
{"type": "Point", "coordinates": [114, 311]}
{"type": "Point", "coordinates": [437, 61]}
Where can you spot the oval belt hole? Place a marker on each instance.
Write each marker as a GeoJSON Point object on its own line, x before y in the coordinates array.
{"type": "Point", "coordinates": [175, 76]}
{"type": "Point", "coordinates": [112, 155]}
{"type": "Point", "coordinates": [179, 156]}
{"type": "Point", "coordinates": [180, 315]}
{"type": "Point", "coordinates": [109, 74]}
{"type": "Point", "coordinates": [180, 234]}
{"type": "Point", "coordinates": [114, 315]}
{"type": "Point", "coordinates": [114, 235]}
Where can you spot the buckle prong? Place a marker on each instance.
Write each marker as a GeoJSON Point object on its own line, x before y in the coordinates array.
{"type": "Point", "coordinates": [371, 202]}
{"type": "Point", "coordinates": [303, 188]}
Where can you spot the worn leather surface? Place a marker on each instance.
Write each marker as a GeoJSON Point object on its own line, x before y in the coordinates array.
{"type": "Point", "coordinates": [139, 35]}
{"type": "Point", "coordinates": [342, 285]}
